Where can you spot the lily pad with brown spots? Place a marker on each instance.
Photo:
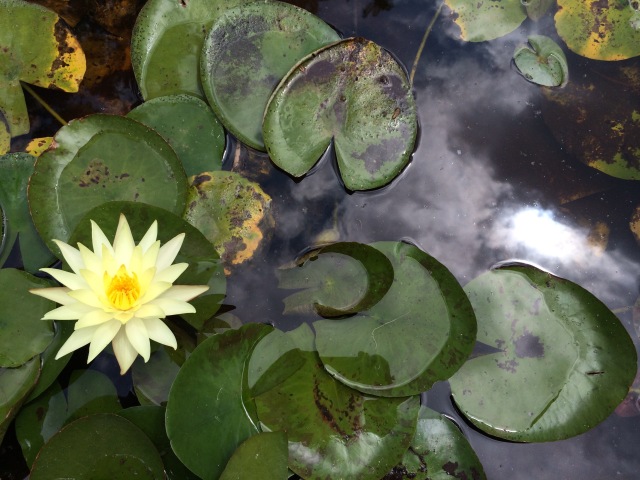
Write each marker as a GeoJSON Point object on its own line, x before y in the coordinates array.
{"type": "Point", "coordinates": [486, 20]}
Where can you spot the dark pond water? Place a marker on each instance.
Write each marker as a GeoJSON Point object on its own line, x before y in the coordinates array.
{"type": "Point", "coordinates": [489, 181]}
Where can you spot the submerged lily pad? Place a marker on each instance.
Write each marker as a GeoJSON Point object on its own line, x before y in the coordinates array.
{"type": "Point", "coordinates": [15, 170]}
{"type": "Point", "coordinates": [486, 20]}
{"type": "Point", "coordinates": [152, 380]}
{"type": "Point", "coordinates": [564, 362]}
{"type": "Point", "coordinates": [334, 431]}
{"type": "Point", "coordinates": [263, 456]}
{"type": "Point", "coordinates": [537, 8]}
{"type": "Point", "coordinates": [354, 93]}
{"type": "Point", "coordinates": [232, 212]}
{"type": "Point", "coordinates": [421, 332]}
{"type": "Point", "coordinates": [189, 126]}
{"type": "Point", "coordinates": [602, 30]}
{"type": "Point", "coordinates": [166, 43]}
{"type": "Point", "coordinates": [36, 47]}
{"type": "Point", "coordinates": [340, 279]}
{"type": "Point", "coordinates": [208, 412]}
{"type": "Point", "coordinates": [15, 385]}
{"type": "Point", "coordinates": [246, 53]}
{"type": "Point", "coordinates": [97, 159]}
{"type": "Point", "coordinates": [543, 62]}
{"type": "Point", "coordinates": [99, 446]}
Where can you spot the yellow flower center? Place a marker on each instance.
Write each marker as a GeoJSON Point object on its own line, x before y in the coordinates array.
{"type": "Point", "coordinates": [123, 290]}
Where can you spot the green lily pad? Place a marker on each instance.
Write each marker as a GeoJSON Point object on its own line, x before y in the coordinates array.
{"type": "Point", "coordinates": [537, 8]}
{"type": "Point", "coordinates": [205, 267]}
{"type": "Point", "coordinates": [189, 126]}
{"type": "Point", "coordinates": [564, 362]}
{"type": "Point", "coordinates": [36, 47]}
{"type": "Point", "coordinates": [354, 93]}
{"type": "Point", "coordinates": [246, 53]}
{"type": "Point", "coordinates": [439, 450]}
{"type": "Point", "coordinates": [15, 169]}
{"type": "Point", "coordinates": [15, 385]}
{"type": "Point", "coordinates": [486, 20]}
{"type": "Point", "coordinates": [97, 159]}
{"type": "Point", "coordinates": [602, 30]}
{"type": "Point", "coordinates": [340, 279]}
{"type": "Point", "coordinates": [335, 431]}
{"type": "Point", "coordinates": [209, 409]}
{"type": "Point", "coordinates": [88, 392]}
{"type": "Point", "coordinates": [232, 212]}
{"type": "Point", "coordinates": [101, 447]}
{"type": "Point", "coordinates": [421, 332]}
{"type": "Point", "coordinates": [152, 380]}
{"type": "Point", "coordinates": [262, 456]}
{"type": "Point", "coordinates": [166, 43]}
{"type": "Point", "coordinates": [24, 334]}
{"type": "Point", "coordinates": [543, 62]}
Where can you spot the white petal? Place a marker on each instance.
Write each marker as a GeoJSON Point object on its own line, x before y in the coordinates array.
{"type": "Point", "coordinates": [56, 294]}
{"type": "Point", "coordinates": [159, 332]}
{"type": "Point", "coordinates": [150, 237]}
{"type": "Point", "coordinates": [102, 337]}
{"type": "Point", "coordinates": [151, 255]}
{"type": "Point", "coordinates": [138, 337]}
{"type": "Point", "coordinates": [171, 306]}
{"type": "Point", "coordinates": [123, 243]}
{"type": "Point", "coordinates": [78, 339]}
{"type": "Point", "coordinates": [99, 240]}
{"type": "Point", "coordinates": [91, 261]}
{"type": "Point", "coordinates": [71, 255]}
{"type": "Point", "coordinates": [171, 273]}
{"type": "Point", "coordinates": [87, 297]}
{"type": "Point", "coordinates": [68, 312]}
{"type": "Point", "coordinates": [125, 353]}
{"type": "Point", "coordinates": [68, 279]}
{"type": "Point", "coordinates": [154, 290]}
{"type": "Point", "coordinates": [168, 252]}
{"type": "Point", "coordinates": [92, 318]}
{"type": "Point", "coordinates": [185, 292]}
{"type": "Point", "coordinates": [149, 310]}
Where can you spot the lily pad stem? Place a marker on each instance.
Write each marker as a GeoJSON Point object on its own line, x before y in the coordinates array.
{"type": "Point", "coordinates": [422, 44]}
{"type": "Point", "coordinates": [46, 106]}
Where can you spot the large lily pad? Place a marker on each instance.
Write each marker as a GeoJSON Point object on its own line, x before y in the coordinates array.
{"type": "Point", "coordinates": [232, 212]}
{"type": "Point", "coordinates": [166, 43]}
{"type": "Point", "coordinates": [101, 446]}
{"type": "Point", "coordinates": [15, 170]}
{"type": "Point", "coordinates": [97, 159]}
{"type": "Point", "coordinates": [246, 53]}
{"type": "Point", "coordinates": [486, 20]}
{"type": "Point", "coordinates": [354, 93]}
{"type": "Point", "coordinates": [339, 279]}
{"type": "Point", "coordinates": [15, 385]}
{"type": "Point", "coordinates": [24, 334]}
{"type": "Point", "coordinates": [602, 30]}
{"type": "Point", "coordinates": [36, 47]}
{"type": "Point", "coordinates": [421, 332]}
{"type": "Point", "coordinates": [262, 456]}
{"type": "Point", "coordinates": [208, 412]}
{"type": "Point", "coordinates": [335, 431]}
{"type": "Point", "coordinates": [189, 126]}
{"type": "Point", "coordinates": [564, 362]}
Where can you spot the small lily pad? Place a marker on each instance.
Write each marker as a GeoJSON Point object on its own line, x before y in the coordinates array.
{"type": "Point", "coordinates": [232, 212]}
{"type": "Point", "coordinates": [486, 20]}
{"type": "Point", "coordinates": [421, 332]}
{"type": "Point", "coordinates": [340, 279]}
{"type": "Point", "coordinates": [209, 409]}
{"type": "Point", "coordinates": [601, 30]}
{"type": "Point", "coordinates": [15, 385]}
{"type": "Point", "coordinates": [15, 169]}
{"type": "Point", "coordinates": [97, 159]}
{"type": "Point", "coordinates": [262, 456]}
{"type": "Point", "coordinates": [335, 431]}
{"type": "Point", "coordinates": [543, 62]}
{"type": "Point", "coordinates": [189, 126]}
{"type": "Point", "coordinates": [564, 360]}
{"type": "Point", "coordinates": [36, 47]}
{"type": "Point", "coordinates": [246, 53]}
{"type": "Point", "coordinates": [99, 446]}
{"type": "Point", "coordinates": [355, 94]}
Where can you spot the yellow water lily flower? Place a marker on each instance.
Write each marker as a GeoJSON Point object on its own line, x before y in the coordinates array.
{"type": "Point", "coordinates": [119, 293]}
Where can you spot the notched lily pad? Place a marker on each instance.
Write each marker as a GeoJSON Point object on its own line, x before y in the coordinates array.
{"type": "Point", "coordinates": [340, 279]}
{"type": "Point", "coordinates": [247, 52]}
{"type": "Point", "coordinates": [543, 62]}
{"type": "Point", "coordinates": [36, 47]}
{"type": "Point", "coordinates": [354, 93]}
{"type": "Point", "coordinates": [487, 20]}
{"type": "Point", "coordinates": [564, 361]}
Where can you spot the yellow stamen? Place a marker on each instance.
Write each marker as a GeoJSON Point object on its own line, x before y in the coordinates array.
{"type": "Point", "coordinates": [123, 290]}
